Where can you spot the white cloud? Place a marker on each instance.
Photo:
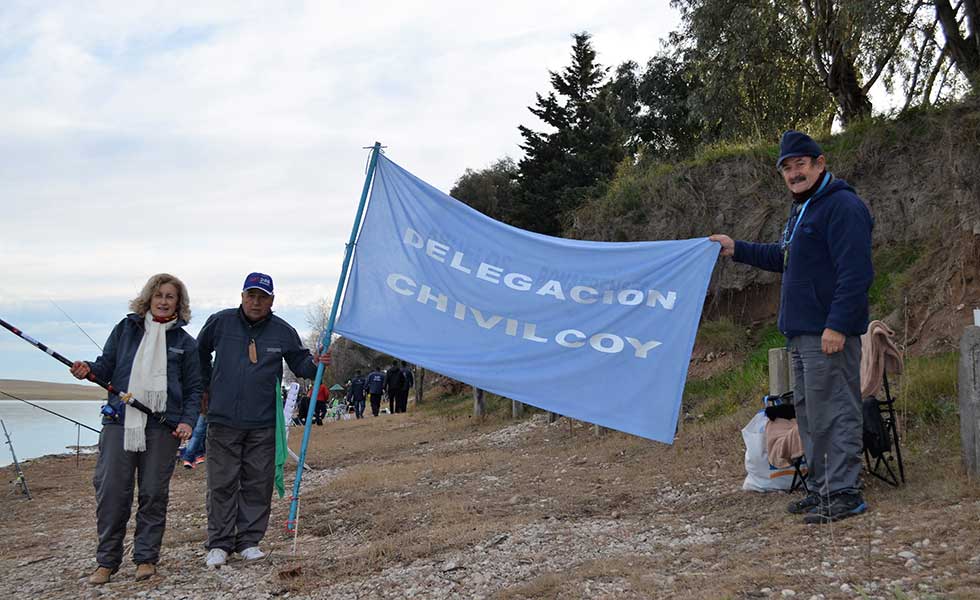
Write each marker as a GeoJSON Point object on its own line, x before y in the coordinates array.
{"type": "Point", "coordinates": [226, 137]}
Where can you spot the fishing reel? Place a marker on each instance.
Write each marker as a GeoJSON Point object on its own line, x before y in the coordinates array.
{"type": "Point", "coordinates": [109, 413]}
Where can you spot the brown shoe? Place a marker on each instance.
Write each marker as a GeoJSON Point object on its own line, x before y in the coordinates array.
{"type": "Point", "coordinates": [144, 571]}
{"type": "Point", "coordinates": [100, 576]}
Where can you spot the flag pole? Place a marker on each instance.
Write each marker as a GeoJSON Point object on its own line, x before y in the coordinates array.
{"type": "Point", "coordinates": [325, 341]}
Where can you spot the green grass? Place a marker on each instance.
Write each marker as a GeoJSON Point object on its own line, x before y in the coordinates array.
{"type": "Point", "coordinates": [722, 335]}
{"type": "Point", "coordinates": [928, 391]}
{"type": "Point", "coordinates": [891, 265]}
{"type": "Point", "coordinates": [724, 393]}
{"type": "Point", "coordinates": [721, 151]}
{"type": "Point", "coordinates": [461, 405]}
{"type": "Point", "coordinates": [630, 192]}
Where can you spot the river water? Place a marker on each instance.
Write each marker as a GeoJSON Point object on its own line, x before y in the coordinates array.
{"type": "Point", "coordinates": [34, 432]}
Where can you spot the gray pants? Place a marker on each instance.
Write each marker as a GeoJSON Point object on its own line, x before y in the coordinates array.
{"type": "Point", "coordinates": [115, 473]}
{"type": "Point", "coordinates": [241, 473]}
{"type": "Point", "coordinates": [827, 395]}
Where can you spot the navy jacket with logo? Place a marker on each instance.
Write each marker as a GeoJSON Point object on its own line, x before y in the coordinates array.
{"type": "Point", "coordinates": [376, 382]}
{"type": "Point", "coordinates": [183, 370]}
{"type": "Point", "coordinates": [828, 273]}
{"type": "Point", "coordinates": [242, 394]}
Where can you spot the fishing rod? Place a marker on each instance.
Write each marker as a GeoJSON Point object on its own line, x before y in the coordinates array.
{"type": "Point", "coordinates": [20, 480]}
{"type": "Point", "coordinates": [124, 397]}
{"type": "Point", "coordinates": [50, 411]}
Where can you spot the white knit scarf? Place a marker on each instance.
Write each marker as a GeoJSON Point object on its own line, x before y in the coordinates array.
{"type": "Point", "coordinates": [147, 381]}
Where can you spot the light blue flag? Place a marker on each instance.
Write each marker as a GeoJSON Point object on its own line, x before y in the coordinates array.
{"type": "Point", "coordinates": [597, 331]}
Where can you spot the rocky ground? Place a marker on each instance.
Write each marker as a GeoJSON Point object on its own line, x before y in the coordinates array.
{"type": "Point", "coordinates": [423, 506]}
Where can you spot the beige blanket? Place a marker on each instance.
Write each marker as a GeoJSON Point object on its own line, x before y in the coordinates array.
{"type": "Point", "coordinates": [878, 354]}
{"type": "Point", "coordinates": [783, 442]}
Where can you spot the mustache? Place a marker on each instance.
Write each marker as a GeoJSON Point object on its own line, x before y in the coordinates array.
{"type": "Point", "coordinates": [798, 179]}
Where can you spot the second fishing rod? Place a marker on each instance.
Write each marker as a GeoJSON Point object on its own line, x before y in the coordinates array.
{"type": "Point", "coordinates": [124, 397]}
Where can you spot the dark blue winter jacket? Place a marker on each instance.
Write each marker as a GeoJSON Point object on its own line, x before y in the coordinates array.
{"type": "Point", "coordinates": [242, 394]}
{"type": "Point", "coordinates": [375, 382]}
{"type": "Point", "coordinates": [356, 389]}
{"type": "Point", "coordinates": [828, 272]}
{"type": "Point", "coordinates": [183, 370]}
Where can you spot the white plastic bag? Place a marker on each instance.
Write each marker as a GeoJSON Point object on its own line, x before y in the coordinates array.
{"type": "Point", "coordinates": [760, 476]}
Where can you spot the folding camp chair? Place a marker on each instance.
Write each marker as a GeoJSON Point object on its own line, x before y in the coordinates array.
{"type": "Point", "coordinates": [887, 450]}
{"type": "Point", "coordinates": [782, 407]}
{"type": "Point", "coordinates": [799, 476]}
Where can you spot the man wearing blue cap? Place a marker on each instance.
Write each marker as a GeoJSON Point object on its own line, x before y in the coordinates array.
{"type": "Point", "coordinates": [824, 255]}
{"type": "Point", "coordinates": [249, 344]}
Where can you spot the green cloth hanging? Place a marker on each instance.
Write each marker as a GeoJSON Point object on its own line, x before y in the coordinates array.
{"type": "Point", "coordinates": [281, 449]}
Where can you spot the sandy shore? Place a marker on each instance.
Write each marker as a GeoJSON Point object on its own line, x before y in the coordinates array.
{"type": "Point", "coordinates": [45, 390]}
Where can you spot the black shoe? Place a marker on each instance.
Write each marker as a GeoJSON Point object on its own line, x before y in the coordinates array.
{"type": "Point", "coordinates": [805, 504]}
{"type": "Point", "coordinates": [840, 507]}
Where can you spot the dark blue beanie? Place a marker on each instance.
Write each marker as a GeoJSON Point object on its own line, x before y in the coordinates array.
{"type": "Point", "coordinates": [795, 143]}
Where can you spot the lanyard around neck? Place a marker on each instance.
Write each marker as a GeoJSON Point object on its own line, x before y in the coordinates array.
{"type": "Point", "coordinates": [788, 240]}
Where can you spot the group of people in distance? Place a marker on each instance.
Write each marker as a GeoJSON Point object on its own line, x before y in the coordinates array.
{"type": "Point", "coordinates": [393, 384]}
{"type": "Point", "coordinates": [824, 255]}
{"type": "Point", "coordinates": [234, 366]}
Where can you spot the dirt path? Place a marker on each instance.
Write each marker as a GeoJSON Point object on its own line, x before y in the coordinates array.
{"type": "Point", "coordinates": [412, 506]}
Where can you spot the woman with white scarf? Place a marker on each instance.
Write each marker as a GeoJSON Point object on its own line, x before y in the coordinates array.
{"type": "Point", "coordinates": [149, 355]}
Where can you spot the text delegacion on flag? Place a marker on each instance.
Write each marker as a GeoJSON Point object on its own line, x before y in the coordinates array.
{"type": "Point", "coordinates": [596, 331]}
{"type": "Point", "coordinates": [582, 294]}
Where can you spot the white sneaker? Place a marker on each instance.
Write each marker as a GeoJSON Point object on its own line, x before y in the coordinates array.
{"type": "Point", "coordinates": [216, 558]}
{"type": "Point", "coordinates": [252, 553]}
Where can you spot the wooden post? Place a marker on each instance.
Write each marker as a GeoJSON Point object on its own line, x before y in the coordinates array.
{"type": "Point", "coordinates": [419, 380]}
{"type": "Point", "coordinates": [969, 384]}
{"type": "Point", "coordinates": [552, 417]}
{"type": "Point", "coordinates": [598, 430]}
{"type": "Point", "coordinates": [779, 372]}
{"type": "Point", "coordinates": [516, 409]}
{"type": "Point", "coordinates": [479, 404]}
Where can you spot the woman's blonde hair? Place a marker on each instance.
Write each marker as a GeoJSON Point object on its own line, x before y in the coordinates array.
{"type": "Point", "coordinates": [141, 304]}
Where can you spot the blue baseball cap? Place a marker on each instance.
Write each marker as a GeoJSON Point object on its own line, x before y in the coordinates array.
{"type": "Point", "coordinates": [795, 143]}
{"type": "Point", "coordinates": [258, 281]}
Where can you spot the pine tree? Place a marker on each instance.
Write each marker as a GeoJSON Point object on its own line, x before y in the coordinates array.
{"type": "Point", "coordinates": [586, 143]}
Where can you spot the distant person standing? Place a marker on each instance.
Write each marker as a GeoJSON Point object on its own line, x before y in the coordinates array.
{"type": "Point", "coordinates": [375, 388]}
{"type": "Point", "coordinates": [355, 390]}
{"type": "Point", "coordinates": [304, 406]}
{"type": "Point", "coordinates": [322, 398]}
{"type": "Point", "coordinates": [249, 344]}
{"type": "Point", "coordinates": [825, 258]}
{"type": "Point", "coordinates": [408, 382]}
{"type": "Point", "coordinates": [193, 454]}
{"type": "Point", "coordinates": [393, 386]}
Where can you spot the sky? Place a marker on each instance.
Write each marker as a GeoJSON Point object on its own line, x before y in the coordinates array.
{"type": "Point", "coordinates": [222, 138]}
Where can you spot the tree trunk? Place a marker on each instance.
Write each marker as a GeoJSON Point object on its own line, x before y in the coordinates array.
{"type": "Point", "coordinates": [834, 63]}
{"type": "Point", "coordinates": [965, 51]}
{"type": "Point", "coordinates": [479, 404]}
{"type": "Point", "coordinates": [842, 81]}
